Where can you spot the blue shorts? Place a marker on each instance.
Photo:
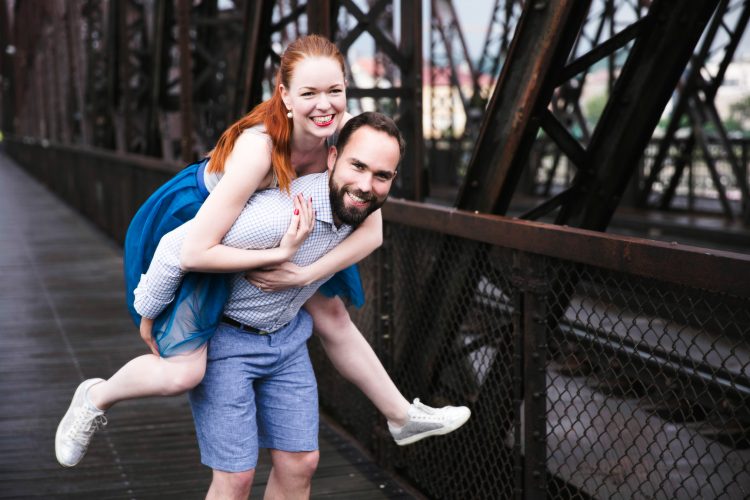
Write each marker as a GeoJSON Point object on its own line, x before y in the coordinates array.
{"type": "Point", "coordinates": [259, 392]}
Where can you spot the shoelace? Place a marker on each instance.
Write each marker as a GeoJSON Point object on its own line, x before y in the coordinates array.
{"type": "Point", "coordinates": [424, 407]}
{"type": "Point", "coordinates": [429, 410]}
{"type": "Point", "coordinates": [86, 423]}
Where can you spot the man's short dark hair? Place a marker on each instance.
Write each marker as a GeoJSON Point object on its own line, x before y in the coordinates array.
{"type": "Point", "coordinates": [377, 121]}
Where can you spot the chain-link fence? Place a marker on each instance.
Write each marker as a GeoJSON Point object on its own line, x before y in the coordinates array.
{"type": "Point", "coordinates": [595, 375]}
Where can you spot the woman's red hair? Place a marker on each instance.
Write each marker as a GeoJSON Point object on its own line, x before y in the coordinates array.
{"type": "Point", "coordinates": [272, 112]}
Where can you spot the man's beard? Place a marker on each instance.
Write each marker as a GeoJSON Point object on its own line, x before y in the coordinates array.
{"type": "Point", "coordinates": [352, 216]}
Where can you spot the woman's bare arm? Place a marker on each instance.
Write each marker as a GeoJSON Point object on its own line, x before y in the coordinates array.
{"type": "Point", "coordinates": [247, 170]}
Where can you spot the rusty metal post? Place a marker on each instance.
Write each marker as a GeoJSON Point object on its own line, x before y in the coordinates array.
{"type": "Point", "coordinates": [186, 81]}
{"type": "Point", "coordinates": [534, 288]}
{"type": "Point", "coordinates": [76, 67]}
{"type": "Point", "coordinates": [7, 51]}
{"type": "Point", "coordinates": [62, 68]}
{"type": "Point", "coordinates": [159, 56]}
{"type": "Point", "coordinates": [319, 18]}
{"type": "Point", "coordinates": [517, 381]}
{"type": "Point", "coordinates": [257, 28]}
{"type": "Point", "coordinates": [410, 110]}
{"type": "Point", "coordinates": [46, 127]}
{"type": "Point", "coordinates": [123, 125]}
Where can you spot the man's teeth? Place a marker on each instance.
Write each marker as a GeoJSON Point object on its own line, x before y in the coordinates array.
{"type": "Point", "coordinates": [357, 199]}
{"type": "Point", "coordinates": [322, 119]}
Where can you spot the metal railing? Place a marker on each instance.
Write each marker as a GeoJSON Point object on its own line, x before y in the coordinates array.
{"type": "Point", "coordinates": [595, 366]}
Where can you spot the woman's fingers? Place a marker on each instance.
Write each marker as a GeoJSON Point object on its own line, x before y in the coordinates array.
{"type": "Point", "coordinates": [147, 335]}
{"type": "Point", "coordinates": [310, 214]}
{"type": "Point", "coordinates": [296, 216]}
{"type": "Point", "coordinates": [306, 223]}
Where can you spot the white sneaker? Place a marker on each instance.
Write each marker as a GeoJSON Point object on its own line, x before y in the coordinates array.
{"type": "Point", "coordinates": [425, 421]}
{"type": "Point", "coordinates": [77, 426]}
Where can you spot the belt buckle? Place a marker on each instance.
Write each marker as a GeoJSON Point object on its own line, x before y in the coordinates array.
{"type": "Point", "coordinates": [255, 331]}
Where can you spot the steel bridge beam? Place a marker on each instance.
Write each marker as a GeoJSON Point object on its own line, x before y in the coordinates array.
{"type": "Point", "coordinates": [650, 75]}
{"type": "Point", "coordinates": [543, 40]}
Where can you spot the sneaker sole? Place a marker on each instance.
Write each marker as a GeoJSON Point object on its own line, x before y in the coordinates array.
{"type": "Point", "coordinates": [435, 432]}
{"type": "Point", "coordinates": [70, 408]}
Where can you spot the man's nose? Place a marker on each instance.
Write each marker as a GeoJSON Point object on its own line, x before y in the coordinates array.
{"type": "Point", "coordinates": [364, 182]}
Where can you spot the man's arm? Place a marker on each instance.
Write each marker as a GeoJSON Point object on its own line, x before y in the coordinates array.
{"type": "Point", "coordinates": [158, 286]}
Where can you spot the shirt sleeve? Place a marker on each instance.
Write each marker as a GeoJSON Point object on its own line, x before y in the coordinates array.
{"type": "Point", "coordinates": [157, 288]}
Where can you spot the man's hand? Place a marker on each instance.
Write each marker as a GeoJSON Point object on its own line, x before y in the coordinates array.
{"type": "Point", "coordinates": [279, 277]}
{"type": "Point", "coordinates": [147, 325]}
{"type": "Point", "coordinates": [300, 227]}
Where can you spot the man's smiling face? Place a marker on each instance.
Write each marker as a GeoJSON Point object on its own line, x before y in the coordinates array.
{"type": "Point", "coordinates": [361, 175]}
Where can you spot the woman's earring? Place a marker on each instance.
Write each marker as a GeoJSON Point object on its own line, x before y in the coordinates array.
{"type": "Point", "coordinates": [289, 114]}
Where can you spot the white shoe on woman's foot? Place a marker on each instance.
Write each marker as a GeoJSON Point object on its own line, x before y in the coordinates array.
{"type": "Point", "coordinates": [425, 421]}
{"type": "Point", "coordinates": [78, 426]}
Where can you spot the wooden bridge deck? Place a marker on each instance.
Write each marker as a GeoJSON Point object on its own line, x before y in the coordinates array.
{"type": "Point", "coordinates": [63, 319]}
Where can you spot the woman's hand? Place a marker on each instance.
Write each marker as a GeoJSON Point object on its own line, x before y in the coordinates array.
{"type": "Point", "coordinates": [147, 325]}
{"type": "Point", "coordinates": [300, 227]}
{"type": "Point", "coordinates": [280, 277]}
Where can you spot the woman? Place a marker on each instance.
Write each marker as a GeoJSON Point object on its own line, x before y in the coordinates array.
{"type": "Point", "coordinates": [281, 138]}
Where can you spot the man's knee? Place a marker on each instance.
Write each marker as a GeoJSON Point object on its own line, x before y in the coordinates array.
{"type": "Point", "coordinates": [308, 463]}
{"type": "Point", "coordinates": [301, 464]}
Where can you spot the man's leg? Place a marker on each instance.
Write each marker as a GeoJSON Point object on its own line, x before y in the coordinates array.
{"type": "Point", "coordinates": [224, 409]}
{"type": "Point", "coordinates": [287, 409]}
{"type": "Point", "coordinates": [291, 475]}
{"type": "Point", "coordinates": [230, 485]}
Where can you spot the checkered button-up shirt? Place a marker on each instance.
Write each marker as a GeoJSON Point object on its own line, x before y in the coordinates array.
{"type": "Point", "coordinates": [261, 224]}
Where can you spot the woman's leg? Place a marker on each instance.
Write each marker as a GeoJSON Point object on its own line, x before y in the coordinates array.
{"type": "Point", "coordinates": [354, 358]}
{"type": "Point", "coordinates": [144, 376]}
{"type": "Point", "coordinates": [150, 375]}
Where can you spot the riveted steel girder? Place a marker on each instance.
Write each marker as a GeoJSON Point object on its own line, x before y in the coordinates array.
{"type": "Point", "coordinates": [544, 38]}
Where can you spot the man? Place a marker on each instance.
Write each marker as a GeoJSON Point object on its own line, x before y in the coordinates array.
{"type": "Point", "coordinates": [259, 390]}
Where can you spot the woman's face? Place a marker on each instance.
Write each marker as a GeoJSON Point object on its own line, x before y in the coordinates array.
{"type": "Point", "coordinates": [316, 96]}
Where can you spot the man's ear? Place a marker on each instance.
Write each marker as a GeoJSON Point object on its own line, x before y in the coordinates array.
{"type": "Point", "coordinates": [332, 155]}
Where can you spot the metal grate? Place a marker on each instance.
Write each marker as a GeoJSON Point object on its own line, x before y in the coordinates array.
{"type": "Point", "coordinates": [584, 382]}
